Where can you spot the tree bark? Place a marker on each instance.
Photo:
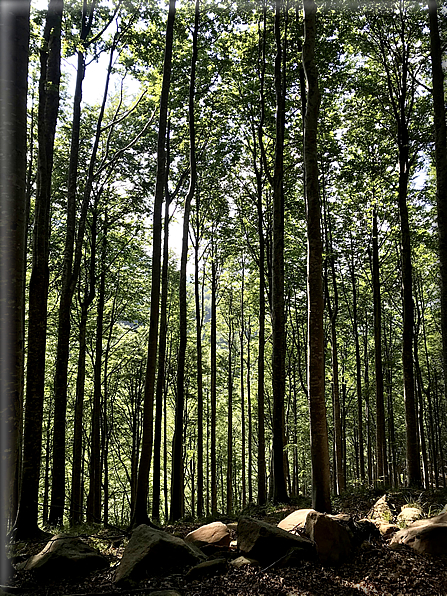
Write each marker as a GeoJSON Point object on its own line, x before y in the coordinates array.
{"type": "Point", "coordinates": [69, 279]}
{"type": "Point", "coordinates": [441, 165]}
{"type": "Point", "coordinates": [213, 388]}
{"type": "Point", "coordinates": [332, 305]}
{"type": "Point", "coordinates": [140, 515]}
{"type": "Point", "coordinates": [76, 471]}
{"type": "Point", "coordinates": [14, 43]}
{"type": "Point", "coordinates": [278, 318]}
{"type": "Point", "coordinates": [242, 393]}
{"type": "Point", "coordinates": [156, 475]}
{"type": "Point", "coordinates": [95, 469]}
{"type": "Point", "coordinates": [382, 466]}
{"type": "Point", "coordinates": [199, 327]}
{"type": "Point", "coordinates": [261, 471]}
{"type": "Point", "coordinates": [50, 56]}
{"type": "Point", "coordinates": [177, 496]}
{"type": "Point", "coordinates": [230, 342]}
{"type": "Point", "coordinates": [321, 500]}
{"type": "Point", "coordinates": [358, 370]}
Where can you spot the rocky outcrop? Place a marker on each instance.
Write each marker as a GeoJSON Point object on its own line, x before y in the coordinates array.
{"type": "Point", "coordinates": [65, 556]}
{"type": "Point", "coordinates": [408, 515]}
{"type": "Point", "coordinates": [295, 521]}
{"type": "Point", "coordinates": [207, 568]}
{"type": "Point", "coordinates": [335, 536]}
{"type": "Point", "coordinates": [427, 536]}
{"type": "Point", "coordinates": [388, 529]}
{"type": "Point", "coordinates": [153, 552]}
{"type": "Point", "coordinates": [243, 562]}
{"type": "Point", "coordinates": [215, 534]}
{"type": "Point", "coordinates": [381, 511]}
{"type": "Point", "coordinates": [266, 543]}
{"type": "Point", "coordinates": [334, 542]}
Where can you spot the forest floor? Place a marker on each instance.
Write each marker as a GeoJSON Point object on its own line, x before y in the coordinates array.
{"type": "Point", "coordinates": [374, 569]}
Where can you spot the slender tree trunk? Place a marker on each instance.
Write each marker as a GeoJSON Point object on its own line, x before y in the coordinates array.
{"type": "Point", "coordinates": [369, 455]}
{"type": "Point", "coordinates": [156, 476]}
{"type": "Point", "coordinates": [69, 279]}
{"type": "Point", "coordinates": [321, 500]}
{"type": "Point", "coordinates": [249, 416]}
{"type": "Point", "coordinates": [420, 390]}
{"type": "Point", "coordinates": [199, 327]}
{"type": "Point", "coordinates": [382, 466]}
{"type": "Point", "coordinates": [50, 57]}
{"type": "Point", "coordinates": [278, 318]}
{"type": "Point", "coordinates": [441, 164]}
{"type": "Point", "coordinates": [431, 434]}
{"type": "Point", "coordinates": [177, 496]}
{"type": "Point", "coordinates": [332, 305]}
{"type": "Point", "coordinates": [229, 507]}
{"type": "Point", "coordinates": [165, 452]}
{"type": "Point", "coordinates": [261, 471]}
{"type": "Point", "coordinates": [46, 481]}
{"type": "Point", "coordinates": [213, 396]}
{"type": "Point", "coordinates": [242, 392]}
{"type": "Point", "coordinates": [140, 515]}
{"type": "Point", "coordinates": [76, 484]}
{"type": "Point", "coordinates": [95, 471]}
{"type": "Point", "coordinates": [358, 368]}
{"type": "Point", "coordinates": [413, 463]}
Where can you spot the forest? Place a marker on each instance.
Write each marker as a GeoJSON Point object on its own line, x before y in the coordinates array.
{"type": "Point", "coordinates": [224, 281]}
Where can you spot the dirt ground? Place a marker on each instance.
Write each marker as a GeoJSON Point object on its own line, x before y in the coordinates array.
{"type": "Point", "coordinates": [375, 569]}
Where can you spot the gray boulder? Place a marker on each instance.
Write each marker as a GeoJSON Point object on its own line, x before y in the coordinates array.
{"type": "Point", "coordinates": [65, 556]}
{"type": "Point", "coordinates": [153, 552]}
{"type": "Point", "coordinates": [426, 536]}
{"type": "Point", "coordinates": [267, 544]}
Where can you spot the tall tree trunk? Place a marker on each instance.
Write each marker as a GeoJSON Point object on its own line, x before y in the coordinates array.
{"type": "Point", "coordinates": [401, 96]}
{"type": "Point", "coordinates": [50, 57]}
{"type": "Point", "coordinates": [156, 476]}
{"type": "Point", "coordinates": [177, 496]}
{"type": "Point", "coordinates": [358, 369]}
{"type": "Point", "coordinates": [261, 471]}
{"type": "Point", "coordinates": [278, 318]}
{"type": "Point", "coordinates": [229, 507]}
{"type": "Point", "coordinates": [369, 454]}
{"type": "Point", "coordinates": [431, 438]}
{"type": "Point", "coordinates": [14, 42]}
{"type": "Point", "coordinates": [382, 467]}
{"type": "Point", "coordinates": [413, 464]}
{"type": "Point", "coordinates": [249, 415]}
{"type": "Point", "coordinates": [242, 392]}
{"type": "Point", "coordinates": [441, 165]}
{"type": "Point", "coordinates": [213, 388]}
{"type": "Point", "coordinates": [76, 484]}
{"type": "Point", "coordinates": [332, 306]}
{"type": "Point", "coordinates": [199, 327]}
{"type": "Point", "coordinates": [321, 500]}
{"type": "Point", "coordinates": [69, 279]}
{"type": "Point", "coordinates": [95, 471]}
{"type": "Point", "coordinates": [140, 515]}
{"type": "Point", "coordinates": [420, 390]}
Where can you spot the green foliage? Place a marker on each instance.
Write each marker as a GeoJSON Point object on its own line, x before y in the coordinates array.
{"type": "Point", "coordinates": [235, 155]}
